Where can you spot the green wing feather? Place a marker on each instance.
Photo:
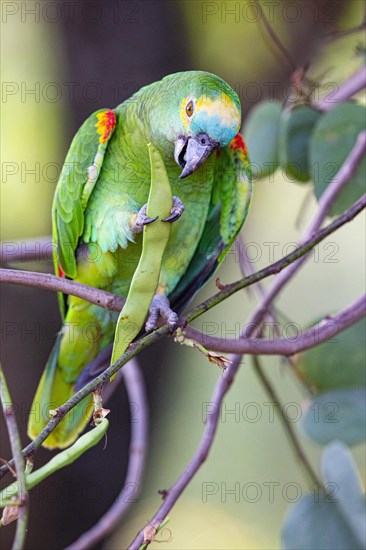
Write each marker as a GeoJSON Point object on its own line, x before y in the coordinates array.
{"type": "Point", "coordinates": [77, 180]}
{"type": "Point", "coordinates": [229, 207]}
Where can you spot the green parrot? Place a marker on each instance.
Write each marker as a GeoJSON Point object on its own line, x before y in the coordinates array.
{"type": "Point", "coordinates": [99, 210]}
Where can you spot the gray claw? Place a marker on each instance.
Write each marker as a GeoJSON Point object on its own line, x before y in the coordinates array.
{"type": "Point", "coordinates": [141, 220]}
{"type": "Point", "coordinates": [147, 220]}
{"type": "Point", "coordinates": [176, 211]}
{"type": "Point", "coordinates": [160, 306]}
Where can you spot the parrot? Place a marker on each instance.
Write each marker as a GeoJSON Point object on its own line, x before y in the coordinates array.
{"type": "Point", "coordinates": [193, 118]}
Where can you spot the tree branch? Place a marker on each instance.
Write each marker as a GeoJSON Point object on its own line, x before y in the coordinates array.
{"type": "Point", "coordinates": [14, 437]}
{"type": "Point", "coordinates": [225, 380]}
{"type": "Point", "coordinates": [319, 333]}
{"type": "Point", "coordinates": [101, 298]}
{"type": "Point", "coordinates": [346, 90]}
{"type": "Point", "coordinates": [137, 452]}
{"type": "Point", "coordinates": [97, 382]}
{"type": "Point", "coordinates": [275, 39]}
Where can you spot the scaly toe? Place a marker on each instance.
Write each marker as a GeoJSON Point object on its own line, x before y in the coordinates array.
{"type": "Point", "coordinates": [141, 219]}
{"type": "Point", "coordinates": [160, 306]}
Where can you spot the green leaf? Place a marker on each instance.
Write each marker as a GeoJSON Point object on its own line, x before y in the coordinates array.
{"type": "Point", "coordinates": [296, 127]}
{"type": "Point", "coordinates": [333, 520]}
{"type": "Point", "coordinates": [337, 414]}
{"type": "Point", "coordinates": [332, 140]}
{"type": "Point", "coordinates": [338, 363]}
{"type": "Point", "coordinates": [311, 525]}
{"type": "Point", "coordinates": [261, 136]}
{"type": "Point", "coordinates": [339, 469]}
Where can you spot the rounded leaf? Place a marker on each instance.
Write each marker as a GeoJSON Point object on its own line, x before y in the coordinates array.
{"type": "Point", "coordinates": [334, 518]}
{"type": "Point", "coordinates": [338, 363]}
{"type": "Point", "coordinates": [333, 138]}
{"type": "Point", "coordinates": [315, 522]}
{"type": "Point", "coordinates": [261, 136]}
{"type": "Point", "coordinates": [296, 127]}
{"type": "Point", "coordinates": [338, 415]}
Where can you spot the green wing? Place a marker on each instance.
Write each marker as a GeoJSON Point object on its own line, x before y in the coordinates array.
{"type": "Point", "coordinates": [77, 180]}
{"type": "Point", "coordinates": [229, 208]}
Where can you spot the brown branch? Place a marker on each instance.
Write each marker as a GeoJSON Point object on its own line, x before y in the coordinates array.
{"type": "Point", "coordinates": [351, 30]}
{"type": "Point", "coordinates": [319, 333]}
{"type": "Point", "coordinates": [346, 90]}
{"type": "Point", "coordinates": [96, 383]}
{"type": "Point", "coordinates": [275, 39]}
{"type": "Point", "coordinates": [14, 437]}
{"type": "Point", "coordinates": [101, 298]}
{"type": "Point", "coordinates": [137, 452]}
{"type": "Point", "coordinates": [225, 380]}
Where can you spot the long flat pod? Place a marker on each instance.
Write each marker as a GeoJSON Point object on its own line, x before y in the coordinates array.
{"type": "Point", "coordinates": [146, 277]}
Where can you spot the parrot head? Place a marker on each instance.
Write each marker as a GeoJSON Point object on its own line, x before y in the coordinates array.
{"type": "Point", "coordinates": [198, 112]}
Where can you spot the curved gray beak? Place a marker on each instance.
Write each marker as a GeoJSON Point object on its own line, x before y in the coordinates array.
{"type": "Point", "coordinates": [190, 153]}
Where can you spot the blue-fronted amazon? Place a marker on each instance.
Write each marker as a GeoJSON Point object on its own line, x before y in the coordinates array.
{"type": "Point", "coordinates": [99, 210]}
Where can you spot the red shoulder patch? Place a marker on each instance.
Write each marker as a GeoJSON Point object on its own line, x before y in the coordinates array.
{"type": "Point", "coordinates": [238, 143]}
{"type": "Point", "coordinates": [105, 125]}
{"type": "Point", "coordinates": [60, 271]}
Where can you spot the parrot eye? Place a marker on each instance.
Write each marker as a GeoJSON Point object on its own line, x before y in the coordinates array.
{"type": "Point", "coordinates": [189, 108]}
{"type": "Point", "coordinates": [204, 139]}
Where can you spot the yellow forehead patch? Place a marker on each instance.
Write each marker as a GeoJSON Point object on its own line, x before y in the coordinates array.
{"type": "Point", "coordinates": [222, 107]}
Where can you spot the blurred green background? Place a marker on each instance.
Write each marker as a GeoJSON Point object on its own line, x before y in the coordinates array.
{"type": "Point", "coordinates": [60, 62]}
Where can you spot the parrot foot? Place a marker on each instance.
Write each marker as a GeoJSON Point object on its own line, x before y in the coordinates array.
{"type": "Point", "coordinates": [160, 306]}
{"type": "Point", "coordinates": [141, 219]}
{"type": "Point", "coordinates": [176, 211]}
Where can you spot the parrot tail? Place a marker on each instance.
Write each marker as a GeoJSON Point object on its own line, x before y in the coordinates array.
{"type": "Point", "coordinates": [53, 390]}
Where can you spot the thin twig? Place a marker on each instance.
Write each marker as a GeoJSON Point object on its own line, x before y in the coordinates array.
{"type": "Point", "coordinates": [247, 268]}
{"type": "Point", "coordinates": [225, 380]}
{"type": "Point", "coordinates": [16, 448]}
{"type": "Point", "coordinates": [356, 83]}
{"type": "Point", "coordinates": [97, 382]}
{"type": "Point", "coordinates": [346, 32]}
{"type": "Point", "coordinates": [137, 452]}
{"type": "Point", "coordinates": [318, 334]}
{"type": "Point", "coordinates": [211, 423]}
{"type": "Point", "coordinates": [290, 432]}
{"type": "Point", "coordinates": [275, 39]}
